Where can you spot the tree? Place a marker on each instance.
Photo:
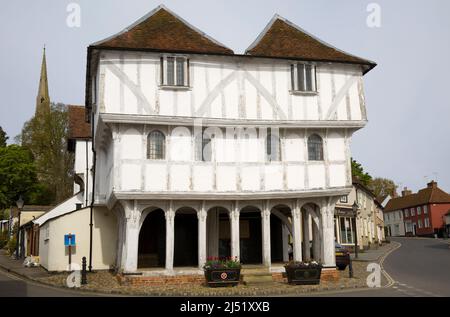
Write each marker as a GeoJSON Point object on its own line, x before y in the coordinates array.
{"type": "Point", "coordinates": [45, 136]}
{"type": "Point", "coordinates": [3, 138]}
{"type": "Point", "coordinates": [382, 187]}
{"type": "Point", "coordinates": [17, 174]}
{"type": "Point", "coordinates": [358, 172]}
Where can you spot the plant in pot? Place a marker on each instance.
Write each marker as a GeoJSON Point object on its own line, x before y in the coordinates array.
{"type": "Point", "coordinates": [222, 272]}
{"type": "Point", "coordinates": [303, 273]}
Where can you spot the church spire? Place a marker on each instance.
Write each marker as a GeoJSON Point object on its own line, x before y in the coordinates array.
{"type": "Point", "coordinates": [43, 98]}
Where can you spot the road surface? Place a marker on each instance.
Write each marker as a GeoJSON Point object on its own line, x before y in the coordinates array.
{"type": "Point", "coordinates": [419, 268]}
{"type": "Point", "coordinates": [13, 286]}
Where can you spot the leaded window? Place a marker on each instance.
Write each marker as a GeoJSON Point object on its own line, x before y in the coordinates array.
{"type": "Point", "coordinates": [156, 145]}
{"type": "Point", "coordinates": [315, 148]}
{"type": "Point", "coordinates": [303, 77]}
{"type": "Point", "coordinates": [174, 71]}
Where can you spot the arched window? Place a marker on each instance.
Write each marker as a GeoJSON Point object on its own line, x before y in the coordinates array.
{"type": "Point", "coordinates": [156, 145]}
{"type": "Point", "coordinates": [315, 148]}
{"type": "Point", "coordinates": [273, 147]}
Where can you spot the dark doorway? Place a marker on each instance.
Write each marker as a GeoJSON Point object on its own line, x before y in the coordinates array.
{"type": "Point", "coordinates": [250, 237]}
{"type": "Point", "coordinates": [152, 241]}
{"type": "Point", "coordinates": [224, 235]}
{"type": "Point", "coordinates": [186, 239]}
{"type": "Point", "coordinates": [276, 239]}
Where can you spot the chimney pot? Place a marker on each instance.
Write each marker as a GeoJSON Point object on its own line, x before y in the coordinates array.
{"type": "Point", "coordinates": [432, 184]}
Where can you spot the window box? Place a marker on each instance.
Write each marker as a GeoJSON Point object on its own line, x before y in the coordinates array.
{"type": "Point", "coordinates": [303, 273]}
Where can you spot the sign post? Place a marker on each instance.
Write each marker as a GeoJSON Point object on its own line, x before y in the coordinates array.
{"type": "Point", "coordinates": [69, 241]}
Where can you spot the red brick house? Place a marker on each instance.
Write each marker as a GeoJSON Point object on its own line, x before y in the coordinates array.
{"type": "Point", "coordinates": [423, 212]}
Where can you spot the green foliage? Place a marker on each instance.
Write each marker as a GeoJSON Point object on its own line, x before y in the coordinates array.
{"type": "Point", "coordinates": [17, 174]}
{"type": "Point", "coordinates": [3, 138]}
{"type": "Point", "coordinates": [11, 245]}
{"type": "Point", "coordinates": [358, 172]}
{"type": "Point", "coordinates": [382, 187]}
{"type": "Point", "coordinates": [46, 137]}
{"type": "Point", "coordinates": [3, 239]}
{"type": "Point", "coordinates": [221, 263]}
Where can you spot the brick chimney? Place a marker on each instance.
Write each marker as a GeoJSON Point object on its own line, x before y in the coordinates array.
{"type": "Point", "coordinates": [432, 184]}
{"type": "Point", "coordinates": [406, 192]}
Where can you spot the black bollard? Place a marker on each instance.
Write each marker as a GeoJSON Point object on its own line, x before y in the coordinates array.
{"type": "Point", "coordinates": [83, 271]}
{"type": "Point", "coordinates": [350, 268]}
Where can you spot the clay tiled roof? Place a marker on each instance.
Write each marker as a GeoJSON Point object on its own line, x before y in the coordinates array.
{"type": "Point", "coordinates": [162, 30]}
{"type": "Point", "coordinates": [283, 39]}
{"type": "Point", "coordinates": [430, 195]}
{"type": "Point", "coordinates": [78, 128]}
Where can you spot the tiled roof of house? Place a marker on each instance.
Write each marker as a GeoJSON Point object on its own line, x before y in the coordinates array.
{"type": "Point", "coordinates": [163, 30]}
{"type": "Point", "coordinates": [282, 38]}
{"type": "Point", "coordinates": [432, 194]}
{"type": "Point", "coordinates": [78, 127]}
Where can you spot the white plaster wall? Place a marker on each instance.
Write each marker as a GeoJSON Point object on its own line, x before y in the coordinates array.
{"type": "Point", "coordinates": [238, 163]}
{"type": "Point", "coordinates": [130, 82]}
{"type": "Point", "coordinates": [53, 254]}
{"type": "Point", "coordinates": [83, 162]}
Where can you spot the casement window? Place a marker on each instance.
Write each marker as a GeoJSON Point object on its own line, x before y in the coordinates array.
{"type": "Point", "coordinates": [425, 209]}
{"type": "Point", "coordinates": [174, 71]}
{"type": "Point", "coordinates": [156, 145]}
{"type": "Point", "coordinates": [344, 199]}
{"type": "Point", "coordinates": [347, 230]}
{"type": "Point", "coordinates": [273, 150]}
{"type": "Point", "coordinates": [315, 148]}
{"type": "Point", "coordinates": [419, 222]}
{"type": "Point", "coordinates": [303, 77]}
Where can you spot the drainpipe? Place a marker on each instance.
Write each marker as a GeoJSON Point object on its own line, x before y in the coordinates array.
{"type": "Point", "coordinates": [87, 173]}
{"type": "Point", "coordinates": [94, 153]}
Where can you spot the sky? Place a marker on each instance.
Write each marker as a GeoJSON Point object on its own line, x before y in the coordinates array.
{"type": "Point", "coordinates": [407, 137]}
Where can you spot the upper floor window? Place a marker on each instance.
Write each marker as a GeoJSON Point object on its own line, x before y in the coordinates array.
{"type": "Point", "coordinates": [406, 212]}
{"type": "Point", "coordinates": [344, 199]}
{"type": "Point", "coordinates": [425, 209]}
{"type": "Point", "coordinates": [419, 210]}
{"type": "Point", "coordinates": [413, 211]}
{"type": "Point", "coordinates": [156, 145]}
{"type": "Point", "coordinates": [303, 77]}
{"type": "Point", "coordinates": [174, 71]}
{"type": "Point", "coordinates": [315, 148]}
{"type": "Point", "coordinates": [273, 147]}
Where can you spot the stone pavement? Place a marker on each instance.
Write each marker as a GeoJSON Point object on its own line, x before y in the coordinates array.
{"type": "Point", "coordinates": [107, 283]}
{"type": "Point", "coordinates": [373, 255]}
{"type": "Point", "coordinates": [16, 267]}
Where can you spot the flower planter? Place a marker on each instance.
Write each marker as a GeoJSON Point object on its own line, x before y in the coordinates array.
{"type": "Point", "coordinates": [222, 276]}
{"type": "Point", "coordinates": [303, 275]}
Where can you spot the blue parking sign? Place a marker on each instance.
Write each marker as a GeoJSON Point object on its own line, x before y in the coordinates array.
{"type": "Point", "coordinates": [69, 240]}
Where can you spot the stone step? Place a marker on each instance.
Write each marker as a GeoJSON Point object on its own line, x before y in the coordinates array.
{"type": "Point", "coordinates": [257, 278]}
{"type": "Point", "coordinates": [255, 270]}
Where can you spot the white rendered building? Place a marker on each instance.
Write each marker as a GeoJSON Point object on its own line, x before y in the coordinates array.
{"type": "Point", "coordinates": [203, 152]}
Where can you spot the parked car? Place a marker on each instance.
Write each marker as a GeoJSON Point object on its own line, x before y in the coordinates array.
{"type": "Point", "coordinates": [342, 256]}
